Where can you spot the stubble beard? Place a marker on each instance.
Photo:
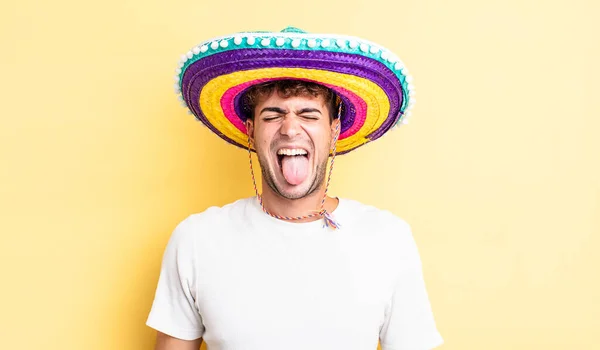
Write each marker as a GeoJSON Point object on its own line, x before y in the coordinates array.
{"type": "Point", "coordinates": [269, 177]}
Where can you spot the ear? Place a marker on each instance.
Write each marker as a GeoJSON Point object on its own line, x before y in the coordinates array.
{"type": "Point", "coordinates": [250, 129]}
{"type": "Point", "coordinates": [335, 129]}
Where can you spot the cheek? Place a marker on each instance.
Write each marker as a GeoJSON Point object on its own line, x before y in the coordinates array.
{"type": "Point", "coordinates": [321, 139]}
{"type": "Point", "coordinates": [262, 139]}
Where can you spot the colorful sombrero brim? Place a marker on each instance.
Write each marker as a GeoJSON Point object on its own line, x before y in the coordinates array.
{"type": "Point", "coordinates": [373, 84]}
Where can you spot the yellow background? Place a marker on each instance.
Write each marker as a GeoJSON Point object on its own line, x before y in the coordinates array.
{"type": "Point", "coordinates": [498, 172]}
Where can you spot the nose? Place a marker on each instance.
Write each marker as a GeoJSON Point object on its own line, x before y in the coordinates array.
{"type": "Point", "coordinates": [290, 126]}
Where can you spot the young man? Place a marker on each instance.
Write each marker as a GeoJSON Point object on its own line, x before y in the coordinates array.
{"type": "Point", "coordinates": [293, 268]}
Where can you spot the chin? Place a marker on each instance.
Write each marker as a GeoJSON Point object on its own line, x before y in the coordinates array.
{"type": "Point", "coordinates": [293, 191]}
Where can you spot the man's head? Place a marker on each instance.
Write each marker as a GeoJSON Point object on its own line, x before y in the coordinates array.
{"type": "Point", "coordinates": [292, 124]}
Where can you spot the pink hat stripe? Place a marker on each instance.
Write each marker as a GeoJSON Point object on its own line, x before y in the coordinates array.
{"type": "Point", "coordinates": [228, 105]}
{"type": "Point", "coordinates": [361, 112]}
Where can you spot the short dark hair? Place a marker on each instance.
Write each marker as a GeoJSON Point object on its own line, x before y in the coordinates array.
{"type": "Point", "coordinates": [288, 88]}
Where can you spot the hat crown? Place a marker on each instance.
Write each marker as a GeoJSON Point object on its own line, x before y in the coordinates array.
{"type": "Point", "coordinates": [293, 30]}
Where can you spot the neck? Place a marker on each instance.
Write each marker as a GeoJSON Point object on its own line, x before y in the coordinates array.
{"type": "Point", "coordinates": [285, 207]}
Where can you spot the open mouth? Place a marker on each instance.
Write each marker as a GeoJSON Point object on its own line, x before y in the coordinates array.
{"type": "Point", "coordinates": [286, 152]}
{"type": "Point", "coordinates": [293, 163]}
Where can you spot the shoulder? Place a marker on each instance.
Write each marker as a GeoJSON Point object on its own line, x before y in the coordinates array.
{"type": "Point", "coordinates": [380, 219]}
{"type": "Point", "coordinates": [216, 214]}
{"type": "Point", "coordinates": [210, 220]}
{"type": "Point", "coordinates": [393, 234]}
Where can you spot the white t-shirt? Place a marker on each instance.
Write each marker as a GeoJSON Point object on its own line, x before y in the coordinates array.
{"type": "Point", "coordinates": [243, 280]}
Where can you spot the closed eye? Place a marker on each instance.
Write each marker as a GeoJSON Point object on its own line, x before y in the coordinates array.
{"type": "Point", "coordinates": [271, 117]}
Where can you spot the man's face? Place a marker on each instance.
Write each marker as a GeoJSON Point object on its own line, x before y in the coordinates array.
{"type": "Point", "coordinates": [292, 137]}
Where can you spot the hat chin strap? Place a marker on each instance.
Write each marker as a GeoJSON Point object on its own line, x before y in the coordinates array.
{"type": "Point", "coordinates": [328, 218]}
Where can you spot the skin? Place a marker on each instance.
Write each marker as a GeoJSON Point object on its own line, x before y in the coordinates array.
{"type": "Point", "coordinates": [298, 121]}
{"type": "Point", "coordinates": [166, 342]}
{"type": "Point", "coordinates": [293, 122]}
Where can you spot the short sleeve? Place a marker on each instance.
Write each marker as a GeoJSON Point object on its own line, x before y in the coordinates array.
{"type": "Point", "coordinates": [174, 311]}
{"type": "Point", "coordinates": [409, 322]}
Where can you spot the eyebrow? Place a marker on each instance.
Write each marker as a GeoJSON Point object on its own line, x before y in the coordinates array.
{"type": "Point", "coordinates": [273, 109]}
{"type": "Point", "coordinates": [308, 110]}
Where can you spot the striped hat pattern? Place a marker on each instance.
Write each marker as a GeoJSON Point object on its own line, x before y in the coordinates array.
{"type": "Point", "coordinates": [373, 83]}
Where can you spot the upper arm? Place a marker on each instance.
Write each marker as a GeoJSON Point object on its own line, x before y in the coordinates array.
{"type": "Point", "coordinates": [409, 322]}
{"type": "Point", "coordinates": [167, 342]}
{"type": "Point", "coordinates": [175, 311]}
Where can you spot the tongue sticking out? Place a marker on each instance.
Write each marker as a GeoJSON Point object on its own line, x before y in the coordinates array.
{"type": "Point", "coordinates": [295, 169]}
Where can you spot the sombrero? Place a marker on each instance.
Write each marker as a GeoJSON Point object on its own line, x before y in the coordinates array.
{"type": "Point", "coordinates": [373, 84]}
